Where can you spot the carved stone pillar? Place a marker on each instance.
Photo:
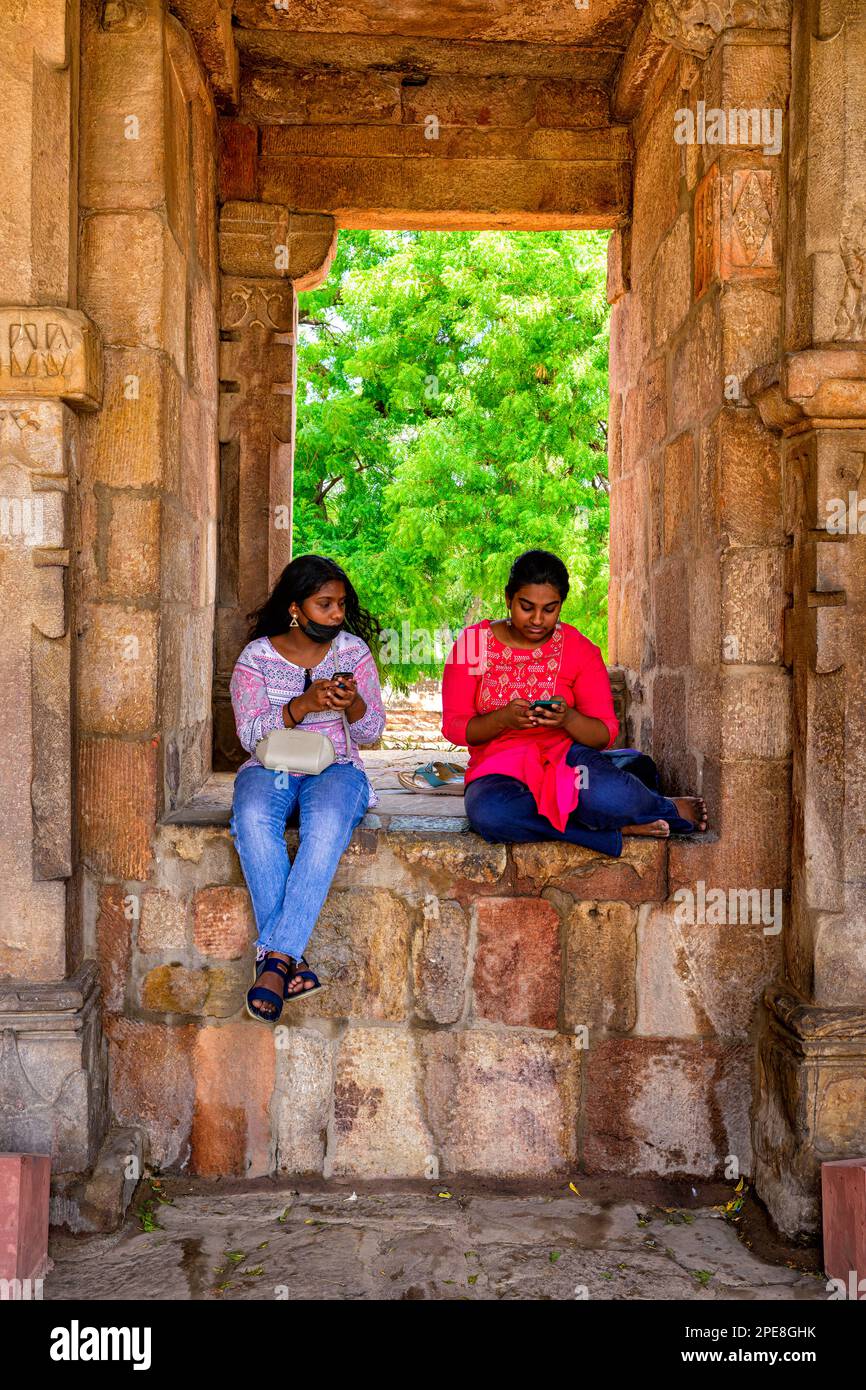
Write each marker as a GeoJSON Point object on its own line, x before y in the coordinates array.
{"type": "Point", "coordinates": [812, 1069]}
{"type": "Point", "coordinates": [52, 1064]}
{"type": "Point", "coordinates": [53, 1095]}
{"type": "Point", "coordinates": [266, 254]}
{"type": "Point", "coordinates": [812, 1065]}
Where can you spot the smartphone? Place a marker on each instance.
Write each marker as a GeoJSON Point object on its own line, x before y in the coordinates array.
{"type": "Point", "coordinates": [546, 704]}
{"type": "Point", "coordinates": [340, 677]}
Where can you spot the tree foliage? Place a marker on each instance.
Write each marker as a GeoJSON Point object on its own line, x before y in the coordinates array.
{"type": "Point", "coordinates": [452, 413]}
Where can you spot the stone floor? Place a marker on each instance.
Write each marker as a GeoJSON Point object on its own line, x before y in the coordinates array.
{"type": "Point", "coordinates": [264, 1240]}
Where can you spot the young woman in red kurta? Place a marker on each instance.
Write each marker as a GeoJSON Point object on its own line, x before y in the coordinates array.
{"type": "Point", "coordinates": [539, 773]}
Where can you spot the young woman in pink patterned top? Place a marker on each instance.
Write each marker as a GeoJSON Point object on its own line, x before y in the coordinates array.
{"type": "Point", "coordinates": [308, 662]}
{"type": "Point", "coordinates": [536, 772]}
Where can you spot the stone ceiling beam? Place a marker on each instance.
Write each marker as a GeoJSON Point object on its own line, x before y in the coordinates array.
{"type": "Point", "coordinates": [391, 53]}
{"type": "Point", "coordinates": [546, 21]}
{"type": "Point", "coordinates": [640, 62]}
{"type": "Point", "coordinates": [209, 25]}
{"type": "Point", "coordinates": [356, 178]}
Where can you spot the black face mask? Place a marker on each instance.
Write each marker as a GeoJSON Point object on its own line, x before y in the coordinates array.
{"type": "Point", "coordinates": [320, 632]}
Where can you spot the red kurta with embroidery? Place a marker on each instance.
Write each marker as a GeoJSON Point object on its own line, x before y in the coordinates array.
{"type": "Point", "coordinates": [482, 674]}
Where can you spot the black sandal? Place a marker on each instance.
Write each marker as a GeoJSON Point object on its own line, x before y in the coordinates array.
{"type": "Point", "coordinates": [260, 994]}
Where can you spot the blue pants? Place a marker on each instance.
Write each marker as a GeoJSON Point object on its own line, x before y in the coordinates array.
{"type": "Point", "coordinates": [287, 897]}
{"type": "Point", "coordinates": [502, 808]}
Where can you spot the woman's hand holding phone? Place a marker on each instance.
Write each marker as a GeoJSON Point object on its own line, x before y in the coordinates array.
{"type": "Point", "coordinates": [550, 718]}
{"type": "Point", "coordinates": [342, 689]}
{"type": "Point", "coordinates": [317, 696]}
{"type": "Point", "coordinates": [518, 714]}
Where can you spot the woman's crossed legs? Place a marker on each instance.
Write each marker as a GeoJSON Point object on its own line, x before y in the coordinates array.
{"type": "Point", "coordinates": [611, 801]}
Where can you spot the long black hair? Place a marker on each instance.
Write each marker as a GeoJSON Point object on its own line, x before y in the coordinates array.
{"type": "Point", "coordinates": [302, 577]}
{"type": "Point", "coordinates": [538, 567]}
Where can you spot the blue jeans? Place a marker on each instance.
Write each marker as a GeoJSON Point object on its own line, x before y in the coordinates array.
{"type": "Point", "coordinates": [287, 897]}
{"type": "Point", "coordinates": [502, 808]}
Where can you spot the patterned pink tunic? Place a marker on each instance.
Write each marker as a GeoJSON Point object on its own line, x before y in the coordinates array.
{"type": "Point", "coordinates": [263, 681]}
{"type": "Point", "coordinates": [483, 674]}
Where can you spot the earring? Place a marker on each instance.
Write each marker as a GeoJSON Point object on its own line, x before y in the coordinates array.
{"type": "Point", "coordinates": [294, 622]}
{"type": "Point", "coordinates": [508, 619]}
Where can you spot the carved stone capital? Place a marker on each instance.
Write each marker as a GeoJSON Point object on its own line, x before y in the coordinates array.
{"type": "Point", "coordinates": [266, 240]}
{"type": "Point", "coordinates": [813, 1030]}
{"type": "Point", "coordinates": [53, 1069]}
{"type": "Point", "coordinates": [694, 25]}
{"type": "Point", "coordinates": [50, 353]}
{"type": "Point", "coordinates": [818, 386]}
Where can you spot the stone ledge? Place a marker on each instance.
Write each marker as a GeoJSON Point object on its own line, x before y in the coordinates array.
{"type": "Point", "coordinates": [417, 844]}
{"type": "Point", "coordinates": [396, 810]}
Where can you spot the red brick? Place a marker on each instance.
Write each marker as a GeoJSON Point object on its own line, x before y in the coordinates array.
{"type": "Point", "coordinates": [223, 924]}
{"type": "Point", "coordinates": [113, 944]}
{"type": "Point", "coordinates": [234, 1069]}
{"type": "Point", "coordinates": [24, 1187]}
{"type": "Point", "coordinates": [238, 152]}
{"type": "Point", "coordinates": [517, 961]}
{"type": "Point", "coordinates": [117, 796]}
{"type": "Point", "coordinates": [843, 1195]}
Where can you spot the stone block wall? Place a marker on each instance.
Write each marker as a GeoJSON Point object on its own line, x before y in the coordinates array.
{"type": "Point", "coordinates": [700, 573]}
{"type": "Point", "coordinates": [497, 1011]}
{"type": "Point", "coordinates": [146, 491]}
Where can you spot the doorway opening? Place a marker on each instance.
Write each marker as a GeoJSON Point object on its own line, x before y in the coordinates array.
{"type": "Point", "coordinates": [451, 413]}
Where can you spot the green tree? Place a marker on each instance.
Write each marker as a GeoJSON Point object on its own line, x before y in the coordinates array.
{"type": "Point", "coordinates": [452, 413]}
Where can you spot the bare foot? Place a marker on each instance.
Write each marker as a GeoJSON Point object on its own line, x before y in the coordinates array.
{"type": "Point", "coordinates": [659, 829]}
{"type": "Point", "coordinates": [692, 808]}
{"type": "Point", "coordinates": [296, 985]}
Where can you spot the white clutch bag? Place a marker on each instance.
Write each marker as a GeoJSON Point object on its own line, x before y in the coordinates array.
{"type": "Point", "coordinates": [298, 750]}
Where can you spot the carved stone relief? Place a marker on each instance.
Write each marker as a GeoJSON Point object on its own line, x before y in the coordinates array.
{"type": "Point", "coordinates": [851, 314]}
{"type": "Point", "coordinates": [694, 25]}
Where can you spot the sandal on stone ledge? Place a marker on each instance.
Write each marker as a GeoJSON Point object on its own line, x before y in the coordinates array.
{"type": "Point", "coordinates": [259, 994]}
{"type": "Point", "coordinates": [442, 778]}
{"type": "Point", "coordinates": [307, 974]}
